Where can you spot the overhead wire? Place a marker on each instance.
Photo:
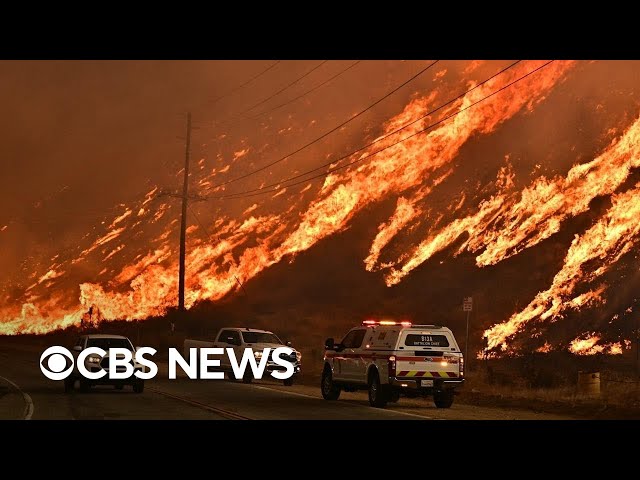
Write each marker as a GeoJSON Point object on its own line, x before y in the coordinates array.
{"type": "Point", "coordinates": [269, 97]}
{"type": "Point", "coordinates": [279, 185]}
{"type": "Point", "coordinates": [327, 133]}
{"type": "Point", "coordinates": [381, 138]}
{"type": "Point", "coordinates": [242, 85]}
{"type": "Point", "coordinates": [298, 97]}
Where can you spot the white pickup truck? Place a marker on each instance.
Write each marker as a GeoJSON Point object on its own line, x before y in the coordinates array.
{"type": "Point", "coordinates": [390, 359]}
{"type": "Point", "coordinates": [94, 363]}
{"type": "Point", "coordinates": [242, 338]}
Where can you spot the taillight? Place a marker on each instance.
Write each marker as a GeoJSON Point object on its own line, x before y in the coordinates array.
{"type": "Point", "coordinates": [462, 366]}
{"type": "Point", "coordinates": [392, 366]}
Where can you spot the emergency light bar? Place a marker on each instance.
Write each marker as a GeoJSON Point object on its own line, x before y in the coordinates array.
{"type": "Point", "coordinates": [385, 322]}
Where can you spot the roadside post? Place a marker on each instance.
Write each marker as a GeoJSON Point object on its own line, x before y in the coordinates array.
{"type": "Point", "coordinates": [467, 306]}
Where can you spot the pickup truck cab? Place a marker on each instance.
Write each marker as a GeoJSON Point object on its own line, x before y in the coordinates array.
{"type": "Point", "coordinates": [242, 338]}
{"type": "Point", "coordinates": [390, 359]}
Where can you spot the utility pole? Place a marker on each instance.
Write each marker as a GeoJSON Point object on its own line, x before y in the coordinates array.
{"type": "Point", "coordinates": [183, 220]}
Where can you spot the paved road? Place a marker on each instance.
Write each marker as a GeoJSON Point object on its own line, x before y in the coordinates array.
{"type": "Point", "coordinates": [25, 392]}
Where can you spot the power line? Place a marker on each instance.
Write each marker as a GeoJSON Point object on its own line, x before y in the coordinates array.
{"type": "Point", "coordinates": [379, 139]}
{"type": "Point", "coordinates": [242, 85]}
{"type": "Point", "coordinates": [273, 95]}
{"type": "Point", "coordinates": [350, 119]}
{"type": "Point", "coordinates": [341, 167]}
{"type": "Point", "coordinates": [302, 95]}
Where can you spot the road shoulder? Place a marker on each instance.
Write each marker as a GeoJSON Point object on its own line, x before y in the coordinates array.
{"type": "Point", "coordinates": [13, 403]}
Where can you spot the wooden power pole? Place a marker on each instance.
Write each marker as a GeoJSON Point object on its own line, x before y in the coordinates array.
{"type": "Point", "coordinates": [183, 220]}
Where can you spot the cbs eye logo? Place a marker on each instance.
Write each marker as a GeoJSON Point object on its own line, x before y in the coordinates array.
{"type": "Point", "coordinates": [56, 363]}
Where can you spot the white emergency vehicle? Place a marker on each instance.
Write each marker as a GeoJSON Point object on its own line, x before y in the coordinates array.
{"type": "Point", "coordinates": [391, 359]}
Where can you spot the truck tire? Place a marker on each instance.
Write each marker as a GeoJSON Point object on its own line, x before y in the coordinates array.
{"type": "Point", "coordinates": [443, 398]}
{"type": "Point", "coordinates": [378, 394]}
{"type": "Point", "coordinates": [288, 382]}
{"type": "Point", "coordinates": [69, 383]}
{"type": "Point", "coordinates": [330, 391]}
{"type": "Point", "coordinates": [84, 386]}
{"type": "Point", "coordinates": [138, 387]}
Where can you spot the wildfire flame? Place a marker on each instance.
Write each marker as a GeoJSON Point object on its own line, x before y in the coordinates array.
{"type": "Point", "coordinates": [610, 238]}
{"type": "Point", "coordinates": [493, 229]}
{"type": "Point", "coordinates": [589, 345]}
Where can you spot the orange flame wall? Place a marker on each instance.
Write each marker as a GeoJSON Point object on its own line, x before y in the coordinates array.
{"type": "Point", "coordinates": [501, 226]}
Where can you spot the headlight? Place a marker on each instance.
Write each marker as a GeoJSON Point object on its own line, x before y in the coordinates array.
{"type": "Point", "coordinates": [298, 356]}
{"type": "Point", "coordinates": [93, 359]}
{"type": "Point", "coordinates": [257, 354]}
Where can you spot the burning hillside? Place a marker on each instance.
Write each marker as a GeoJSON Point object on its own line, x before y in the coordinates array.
{"type": "Point", "coordinates": [459, 171]}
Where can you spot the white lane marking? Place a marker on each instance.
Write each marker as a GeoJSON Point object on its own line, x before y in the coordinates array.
{"type": "Point", "coordinates": [421, 417]}
{"type": "Point", "coordinates": [28, 407]}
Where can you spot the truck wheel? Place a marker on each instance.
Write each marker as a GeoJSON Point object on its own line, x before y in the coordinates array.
{"type": "Point", "coordinates": [330, 391]}
{"type": "Point", "coordinates": [69, 383]}
{"type": "Point", "coordinates": [288, 382]}
{"type": "Point", "coordinates": [138, 387]}
{"type": "Point", "coordinates": [378, 394]}
{"type": "Point", "coordinates": [443, 399]}
{"type": "Point", "coordinates": [248, 378]}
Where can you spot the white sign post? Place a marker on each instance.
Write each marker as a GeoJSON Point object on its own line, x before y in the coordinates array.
{"type": "Point", "coordinates": [467, 306]}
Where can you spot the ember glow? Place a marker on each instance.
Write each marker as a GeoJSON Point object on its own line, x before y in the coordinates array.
{"type": "Point", "coordinates": [508, 204]}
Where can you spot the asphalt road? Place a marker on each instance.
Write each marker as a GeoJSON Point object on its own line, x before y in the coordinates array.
{"type": "Point", "coordinates": [26, 393]}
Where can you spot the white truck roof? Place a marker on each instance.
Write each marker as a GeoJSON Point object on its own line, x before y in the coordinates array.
{"type": "Point", "coordinates": [390, 337]}
{"type": "Point", "coordinates": [240, 329]}
{"type": "Point", "coordinates": [103, 335]}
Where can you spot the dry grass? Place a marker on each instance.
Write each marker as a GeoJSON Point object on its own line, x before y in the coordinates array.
{"type": "Point", "coordinates": [619, 395]}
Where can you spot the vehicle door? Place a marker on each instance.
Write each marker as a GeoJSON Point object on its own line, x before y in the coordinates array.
{"type": "Point", "coordinates": [237, 344]}
{"type": "Point", "coordinates": [351, 355]}
{"type": "Point", "coordinates": [228, 339]}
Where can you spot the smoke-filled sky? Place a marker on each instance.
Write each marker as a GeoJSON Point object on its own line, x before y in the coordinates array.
{"type": "Point", "coordinates": [511, 153]}
{"type": "Point", "coordinates": [80, 137]}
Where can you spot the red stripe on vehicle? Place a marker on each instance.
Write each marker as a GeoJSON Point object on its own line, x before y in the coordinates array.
{"type": "Point", "coordinates": [417, 359]}
{"type": "Point", "coordinates": [373, 356]}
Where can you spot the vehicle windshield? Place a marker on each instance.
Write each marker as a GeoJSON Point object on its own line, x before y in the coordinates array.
{"type": "Point", "coordinates": [260, 337]}
{"type": "Point", "coordinates": [107, 343]}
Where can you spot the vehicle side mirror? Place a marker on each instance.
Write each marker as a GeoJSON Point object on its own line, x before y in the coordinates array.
{"type": "Point", "coordinates": [288, 344]}
{"type": "Point", "coordinates": [329, 344]}
{"type": "Point", "coordinates": [77, 348]}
